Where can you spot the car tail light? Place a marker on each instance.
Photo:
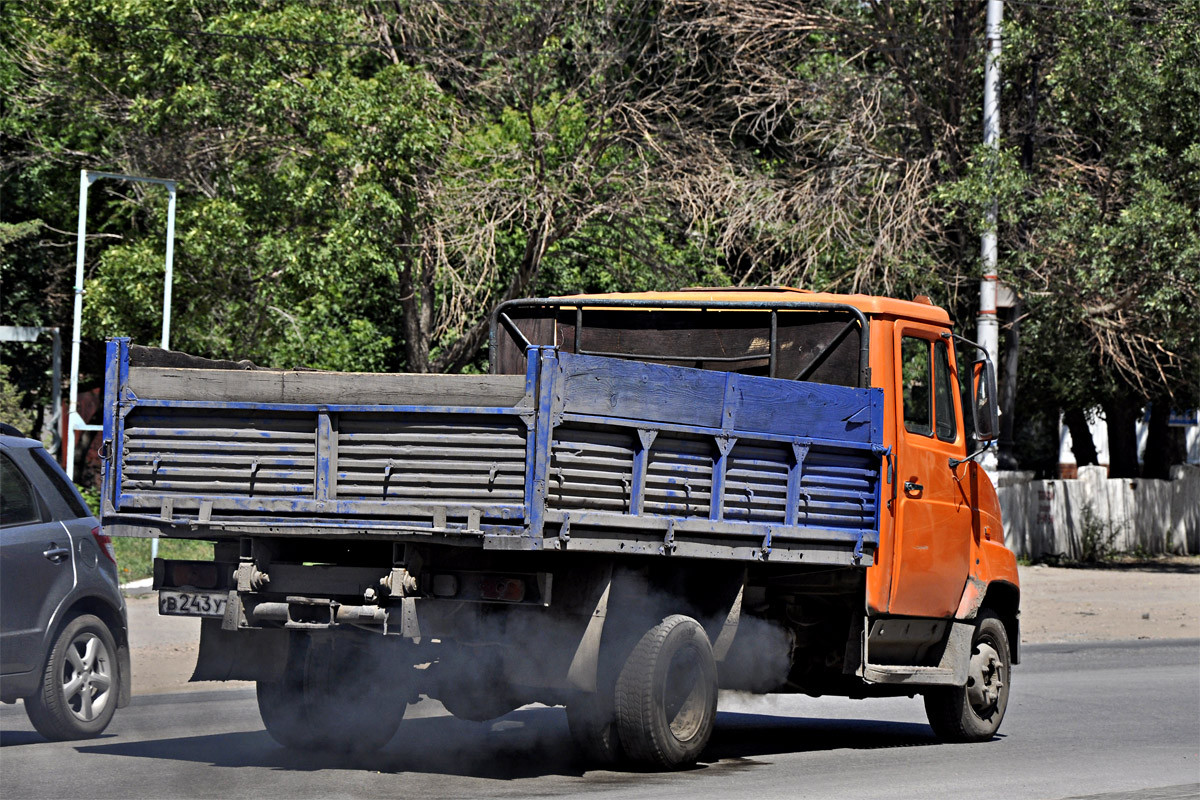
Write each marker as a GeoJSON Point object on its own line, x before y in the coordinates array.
{"type": "Point", "coordinates": [105, 544]}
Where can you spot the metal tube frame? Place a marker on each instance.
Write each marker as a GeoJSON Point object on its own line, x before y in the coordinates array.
{"type": "Point", "coordinates": [500, 315]}
{"type": "Point", "coordinates": [86, 178]}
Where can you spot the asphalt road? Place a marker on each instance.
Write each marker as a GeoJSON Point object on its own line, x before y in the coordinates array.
{"type": "Point", "coordinates": [1085, 720]}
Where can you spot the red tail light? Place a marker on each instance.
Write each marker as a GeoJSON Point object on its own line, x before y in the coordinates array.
{"type": "Point", "coordinates": [105, 544]}
{"type": "Point", "coordinates": [510, 590]}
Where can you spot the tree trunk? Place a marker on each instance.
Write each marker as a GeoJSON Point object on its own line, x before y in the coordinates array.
{"type": "Point", "coordinates": [1162, 442]}
{"type": "Point", "coordinates": [1082, 443]}
{"type": "Point", "coordinates": [415, 281]}
{"type": "Point", "coordinates": [1121, 415]}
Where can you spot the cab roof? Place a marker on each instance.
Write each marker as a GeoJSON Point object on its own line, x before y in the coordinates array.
{"type": "Point", "coordinates": [920, 309]}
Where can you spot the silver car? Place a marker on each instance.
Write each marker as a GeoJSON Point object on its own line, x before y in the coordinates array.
{"type": "Point", "coordinates": [64, 642]}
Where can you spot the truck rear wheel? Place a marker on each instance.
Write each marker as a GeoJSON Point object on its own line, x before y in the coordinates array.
{"type": "Point", "coordinates": [666, 698]}
{"type": "Point", "coordinates": [973, 713]}
{"type": "Point", "coordinates": [592, 720]}
{"type": "Point", "coordinates": [471, 684]}
{"type": "Point", "coordinates": [330, 698]}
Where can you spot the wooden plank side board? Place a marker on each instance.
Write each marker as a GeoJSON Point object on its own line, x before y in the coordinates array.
{"type": "Point", "coordinates": [330, 388]}
{"type": "Point", "coordinates": [709, 399]}
{"type": "Point", "coordinates": [636, 390]}
{"type": "Point", "coordinates": [800, 408]}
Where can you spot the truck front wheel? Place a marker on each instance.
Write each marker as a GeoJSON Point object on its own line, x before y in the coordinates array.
{"type": "Point", "coordinates": [666, 698]}
{"type": "Point", "coordinates": [329, 698]}
{"type": "Point", "coordinates": [973, 713]}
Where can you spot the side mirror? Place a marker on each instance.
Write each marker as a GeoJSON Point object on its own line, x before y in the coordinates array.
{"type": "Point", "coordinates": [983, 395]}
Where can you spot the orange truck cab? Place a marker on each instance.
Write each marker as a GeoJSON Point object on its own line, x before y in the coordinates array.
{"type": "Point", "coordinates": [650, 498]}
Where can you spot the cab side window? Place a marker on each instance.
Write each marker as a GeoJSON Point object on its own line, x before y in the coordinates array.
{"type": "Point", "coordinates": [946, 386]}
{"type": "Point", "coordinates": [917, 376]}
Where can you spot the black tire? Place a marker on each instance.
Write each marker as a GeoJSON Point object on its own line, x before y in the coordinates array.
{"type": "Point", "coordinates": [666, 699]}
{"type": "Point", "coordinates": [330, 698]}
{"type": "Point", "coordinates": [80, 683]}
{"type": "Point", "coordinates": [471, 684]}
{"type": "Point", "coordinates": [478, 707]}
{"type": "Point", "coordinates": [592, 720]}
{"type": "Point", "coordinates": [973, 713]}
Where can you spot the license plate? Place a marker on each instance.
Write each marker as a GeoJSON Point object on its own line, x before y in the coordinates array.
{"type": "Point", "coordinates": [192, 604]}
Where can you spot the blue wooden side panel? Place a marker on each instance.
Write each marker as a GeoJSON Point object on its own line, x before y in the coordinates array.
{"type": "Point", "coordinates": [239, 467]}
{"type": "Point", "coordinates": [734, 456]}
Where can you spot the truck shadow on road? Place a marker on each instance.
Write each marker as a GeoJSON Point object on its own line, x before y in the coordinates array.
{"type": "Point", "coordinates": [527, 743]}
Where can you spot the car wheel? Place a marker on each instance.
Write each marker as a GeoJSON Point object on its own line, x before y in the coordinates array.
{"type": "Point", "coordinates": [667, 695]}
{"type": "Point", "coordinates": [78, 695]}
{"type": "Point", "coordinates": [972, 713]}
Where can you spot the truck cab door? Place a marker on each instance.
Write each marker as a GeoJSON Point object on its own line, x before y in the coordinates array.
{"type": "Point", "coordinates": [934, 521]}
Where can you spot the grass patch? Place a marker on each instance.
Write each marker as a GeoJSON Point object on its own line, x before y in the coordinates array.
{"type": "Point", "coordinates": [133, 554]}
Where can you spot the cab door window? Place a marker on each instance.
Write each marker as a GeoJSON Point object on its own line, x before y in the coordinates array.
{"type": "Point", "coordinates": [918, 384]}
{"type": "Point", "coordinates": [945, 387]}
{"type": "Point", "coordinates": [929, 387]}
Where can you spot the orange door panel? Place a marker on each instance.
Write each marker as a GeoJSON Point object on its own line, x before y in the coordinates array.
{"type": "Point", "coordinates": [933, 523]}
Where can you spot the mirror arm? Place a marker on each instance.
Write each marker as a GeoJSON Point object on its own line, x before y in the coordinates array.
{"type": "Point", "coordinates": [954, 462]}
{"type": "Point", "coordinates": [976, 345]}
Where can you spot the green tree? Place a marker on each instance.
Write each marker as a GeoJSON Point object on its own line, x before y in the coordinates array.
{"type": "Point", "coordinates": [1107, 247]}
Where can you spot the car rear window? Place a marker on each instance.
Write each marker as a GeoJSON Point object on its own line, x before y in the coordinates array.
{"type": "Point", "coordinates": [58, 478]}
{"type": "Point", "coordinates": [18, 505]}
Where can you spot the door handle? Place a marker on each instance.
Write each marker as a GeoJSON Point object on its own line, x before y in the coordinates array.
{"type": "Point", "coordinates": [56, 554]}
{"type": "Point", "coordinates": [913, 486]}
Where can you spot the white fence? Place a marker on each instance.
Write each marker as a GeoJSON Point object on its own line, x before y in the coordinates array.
{"type": "Point", "coordinates": [1092, 514]}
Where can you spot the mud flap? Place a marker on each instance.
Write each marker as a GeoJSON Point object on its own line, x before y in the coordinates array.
{"type": "Point", "coordinates": [585, 665]}
{"type": "Point", "coordinates": [729, 627]}
{"type": "Point", "coordinates": [243, 655]}
{"type": "Point", "coordinates": [956, 658]}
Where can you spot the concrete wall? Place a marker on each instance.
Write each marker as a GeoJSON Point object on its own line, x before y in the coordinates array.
{"type": "Point", "coordinates": [1066, 517]}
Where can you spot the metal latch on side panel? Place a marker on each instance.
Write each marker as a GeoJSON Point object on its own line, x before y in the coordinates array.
{"type": "Point", "coordinates": [668, 546]}
{"type": "Point", "coordinates": [885, 452]}
{"type": "Point", "coordinates": [564, 533]}
{"type": "Point", "coordinates": [765, 552]}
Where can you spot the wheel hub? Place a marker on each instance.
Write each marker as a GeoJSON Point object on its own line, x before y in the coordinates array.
{"type": "Point", "coordinates": [986, 679]}
{"type": "Point", "coordinates": [86, 682]}
{"type": "Point", "coordinates": [686, 697]}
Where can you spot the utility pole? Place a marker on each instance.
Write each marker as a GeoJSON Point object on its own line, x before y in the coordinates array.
{"type": "Point", "coordinates": [988, 328]}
